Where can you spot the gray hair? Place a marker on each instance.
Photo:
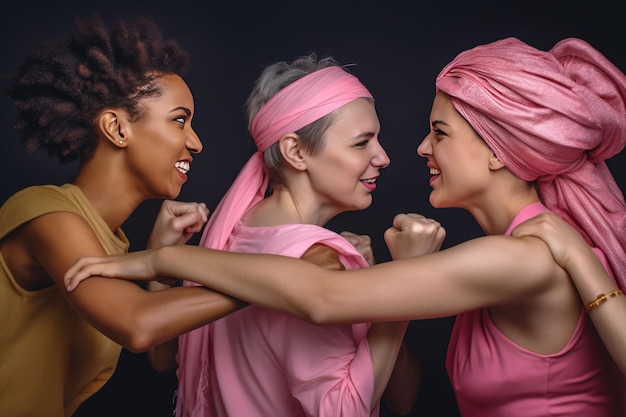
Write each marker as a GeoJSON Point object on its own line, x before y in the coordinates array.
{"type": "Point", "coordinates": [274, 78]}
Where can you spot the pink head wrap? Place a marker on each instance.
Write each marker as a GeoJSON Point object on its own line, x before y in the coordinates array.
{"type": "Point", "coordinates": [552, 117]}
{"type": "Point", "coordinates": [300, 103]}
{"type": "Point", "coordinates": [295, 106]}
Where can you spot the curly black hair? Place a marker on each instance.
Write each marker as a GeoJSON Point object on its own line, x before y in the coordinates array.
{"type": "Point", "coordinates": [63, 84]}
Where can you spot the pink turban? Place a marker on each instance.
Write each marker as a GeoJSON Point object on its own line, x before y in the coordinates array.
{"type": "Point", "coordinates": [552, 117]}
{"type": "Point", "coordinates": [300, 103]}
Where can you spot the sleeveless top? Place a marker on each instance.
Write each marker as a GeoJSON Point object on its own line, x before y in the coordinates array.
{"type": "Point", "coordinates": [261, 362]}
{"type": "Point", "coordinates": [493, 376]}
{"type": "Point", "coordinates": [51, 360]}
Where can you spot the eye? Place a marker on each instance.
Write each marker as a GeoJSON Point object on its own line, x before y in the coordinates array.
{"type": "Point", "coordinates": [438, 133]}
{"type": "Point", "coordinates": [180, 119]}
{"type": "Point", "coordinates": [362, 143]}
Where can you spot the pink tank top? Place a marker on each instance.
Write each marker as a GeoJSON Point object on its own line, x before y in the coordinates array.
{"type": "Point", "coordinates": [493, 376]}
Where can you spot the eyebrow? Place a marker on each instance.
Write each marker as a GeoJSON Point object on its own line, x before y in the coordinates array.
{"type": "Point", "coordinates": [438, 122]}
{"type": "Point", "coordinates": [185, 109]}
{"type": "Point", "coordinates": [365, 135]}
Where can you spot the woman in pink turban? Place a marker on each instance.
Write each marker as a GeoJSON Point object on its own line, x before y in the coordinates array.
{"type": "Point", "coordinates": [515, 132]}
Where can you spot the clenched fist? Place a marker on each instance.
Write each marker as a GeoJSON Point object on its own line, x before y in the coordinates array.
{"type": "Point", "coordinates": [176, 222]}
{"type": "Point", "coordinates": [413, 235]}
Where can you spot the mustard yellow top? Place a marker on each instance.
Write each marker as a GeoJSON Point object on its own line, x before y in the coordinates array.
{"type": "Point", "coordinates": [51, 360]}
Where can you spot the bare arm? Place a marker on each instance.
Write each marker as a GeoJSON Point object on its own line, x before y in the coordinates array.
{"type": "Point", "coordinates": [412, 235]}
{"type": "Point", "coordinates": [128, 314]}
{"type": "Point", "coordinates": [591, 279]}
{"type": "Point", "coordinates": [403, 387]}
{"type": "Point", "coordinates": [458, 279]}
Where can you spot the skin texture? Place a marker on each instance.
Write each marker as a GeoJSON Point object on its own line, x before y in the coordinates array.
{"type": "Point", "coordinates": [572, 253]}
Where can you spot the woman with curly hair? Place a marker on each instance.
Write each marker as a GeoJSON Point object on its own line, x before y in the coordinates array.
{"type": "Point", "coordinates": [114, 98]}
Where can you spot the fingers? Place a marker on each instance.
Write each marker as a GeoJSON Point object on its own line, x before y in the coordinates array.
{"type": "Point", "coordinates": [357, 240]}
{"type": "Point", "coordinates": [131, 266]}
{"type": "Point", "coordinates": [405, 221]}
{"type": "Point", "coordinates": [176, 222]}
{"type": "Point", "coordinates": [413, 235]}
{"type": "Point", "coordinates": [189, 217]}
{"type": "Point", "coordinates": [363, 244]}
{"type": "Point", "coordinates": [565, 242]}
{"type": "Point", "coordinates": [80, 271]}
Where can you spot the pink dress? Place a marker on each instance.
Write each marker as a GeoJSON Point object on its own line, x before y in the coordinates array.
{"type": "Point", "coordinates": [493, 376]}
{"type": "Point", "coordinates": [265, 363]}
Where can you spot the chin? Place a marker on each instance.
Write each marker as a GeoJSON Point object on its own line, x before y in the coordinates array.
{"type": "Point", "coordinates": [435, 203]}
{"type": "Point", "coordinates": [173, 194]}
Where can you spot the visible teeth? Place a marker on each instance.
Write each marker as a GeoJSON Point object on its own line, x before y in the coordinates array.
{"type": "Point", "coordinates": [370, 181]}
{"type": "Point", "coordinates": [434, 171]}
{"type": "Point", "coordinates": [182, 166]}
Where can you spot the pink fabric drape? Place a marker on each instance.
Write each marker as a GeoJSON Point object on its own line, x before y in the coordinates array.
{"type": "Point", "coordinates": [292, 108]}
{"type": "Point", "coordinates": [552, 117]}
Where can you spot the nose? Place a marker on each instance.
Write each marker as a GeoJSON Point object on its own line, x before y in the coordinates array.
{"type": "Point", "coordinates": [381, 159]}
{"type": "Point", "coordinates": [425, 148]}
{"type": "Point", "coordinates": [194, 144]}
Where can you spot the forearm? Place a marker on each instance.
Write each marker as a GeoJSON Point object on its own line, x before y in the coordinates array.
{"type": "Point", "coordinates": [264, 280]}
{"type": "Point", "coordinates": [589, 276]}
{"type": "Point", "coordinates": [164, 315]}
{"type": "Point", "coordinates": [163, 357]}
{"type": "Point", "coordinates": [591, 280]}
{"type": "Point", "coordinates": [403, 386]}
{"type": "Point", "coordinates": [608, 319]}
{"type": "Point", "coordinates": [385, 340]}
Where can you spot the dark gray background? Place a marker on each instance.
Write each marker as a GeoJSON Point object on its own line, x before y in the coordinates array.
{"type": "Point", "coordinates": [398, 48]}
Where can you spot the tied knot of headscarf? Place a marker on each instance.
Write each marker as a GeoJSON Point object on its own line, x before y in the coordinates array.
{"type": "Point", "coordinates": [295, 106]}
{"type": "Point", "coordinates": [552, 117]}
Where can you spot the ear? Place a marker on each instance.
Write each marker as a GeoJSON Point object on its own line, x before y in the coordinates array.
{"type": "Point", "coordinates": [494, 162]}
{"type": "Point", "coordinates": [112, 125]}
{"type": "Point", "coordinates": [291, 151]}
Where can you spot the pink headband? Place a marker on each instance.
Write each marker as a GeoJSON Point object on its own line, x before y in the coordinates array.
{"type": "Point", "coordinates": [303, 102]}
{"type": "Point", "coordinates": [554, 117]}
{"type": "Point", "coordinates": [295, 106]}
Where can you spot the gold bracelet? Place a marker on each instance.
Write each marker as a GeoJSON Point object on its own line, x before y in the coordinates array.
{"type": "Point", "coordinates": [602, 298]}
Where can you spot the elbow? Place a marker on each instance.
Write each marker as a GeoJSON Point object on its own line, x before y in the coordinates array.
{"type": "Point", "coordinates": [319, 316]}
{"type": "Point", "coordinates": [139, 338]}
{"type": "Point", "coordinates": [320, 309]}
{"type": "Point", "coordinates": [138, 343]}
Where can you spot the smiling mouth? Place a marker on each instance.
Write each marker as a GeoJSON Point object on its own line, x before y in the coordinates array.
{"type": "Point", "coordinates": [434, 171]}
{"type": "Point", "coordinates": [369, 181]}
{"type": "Point", "coordinates": [182, 166]}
